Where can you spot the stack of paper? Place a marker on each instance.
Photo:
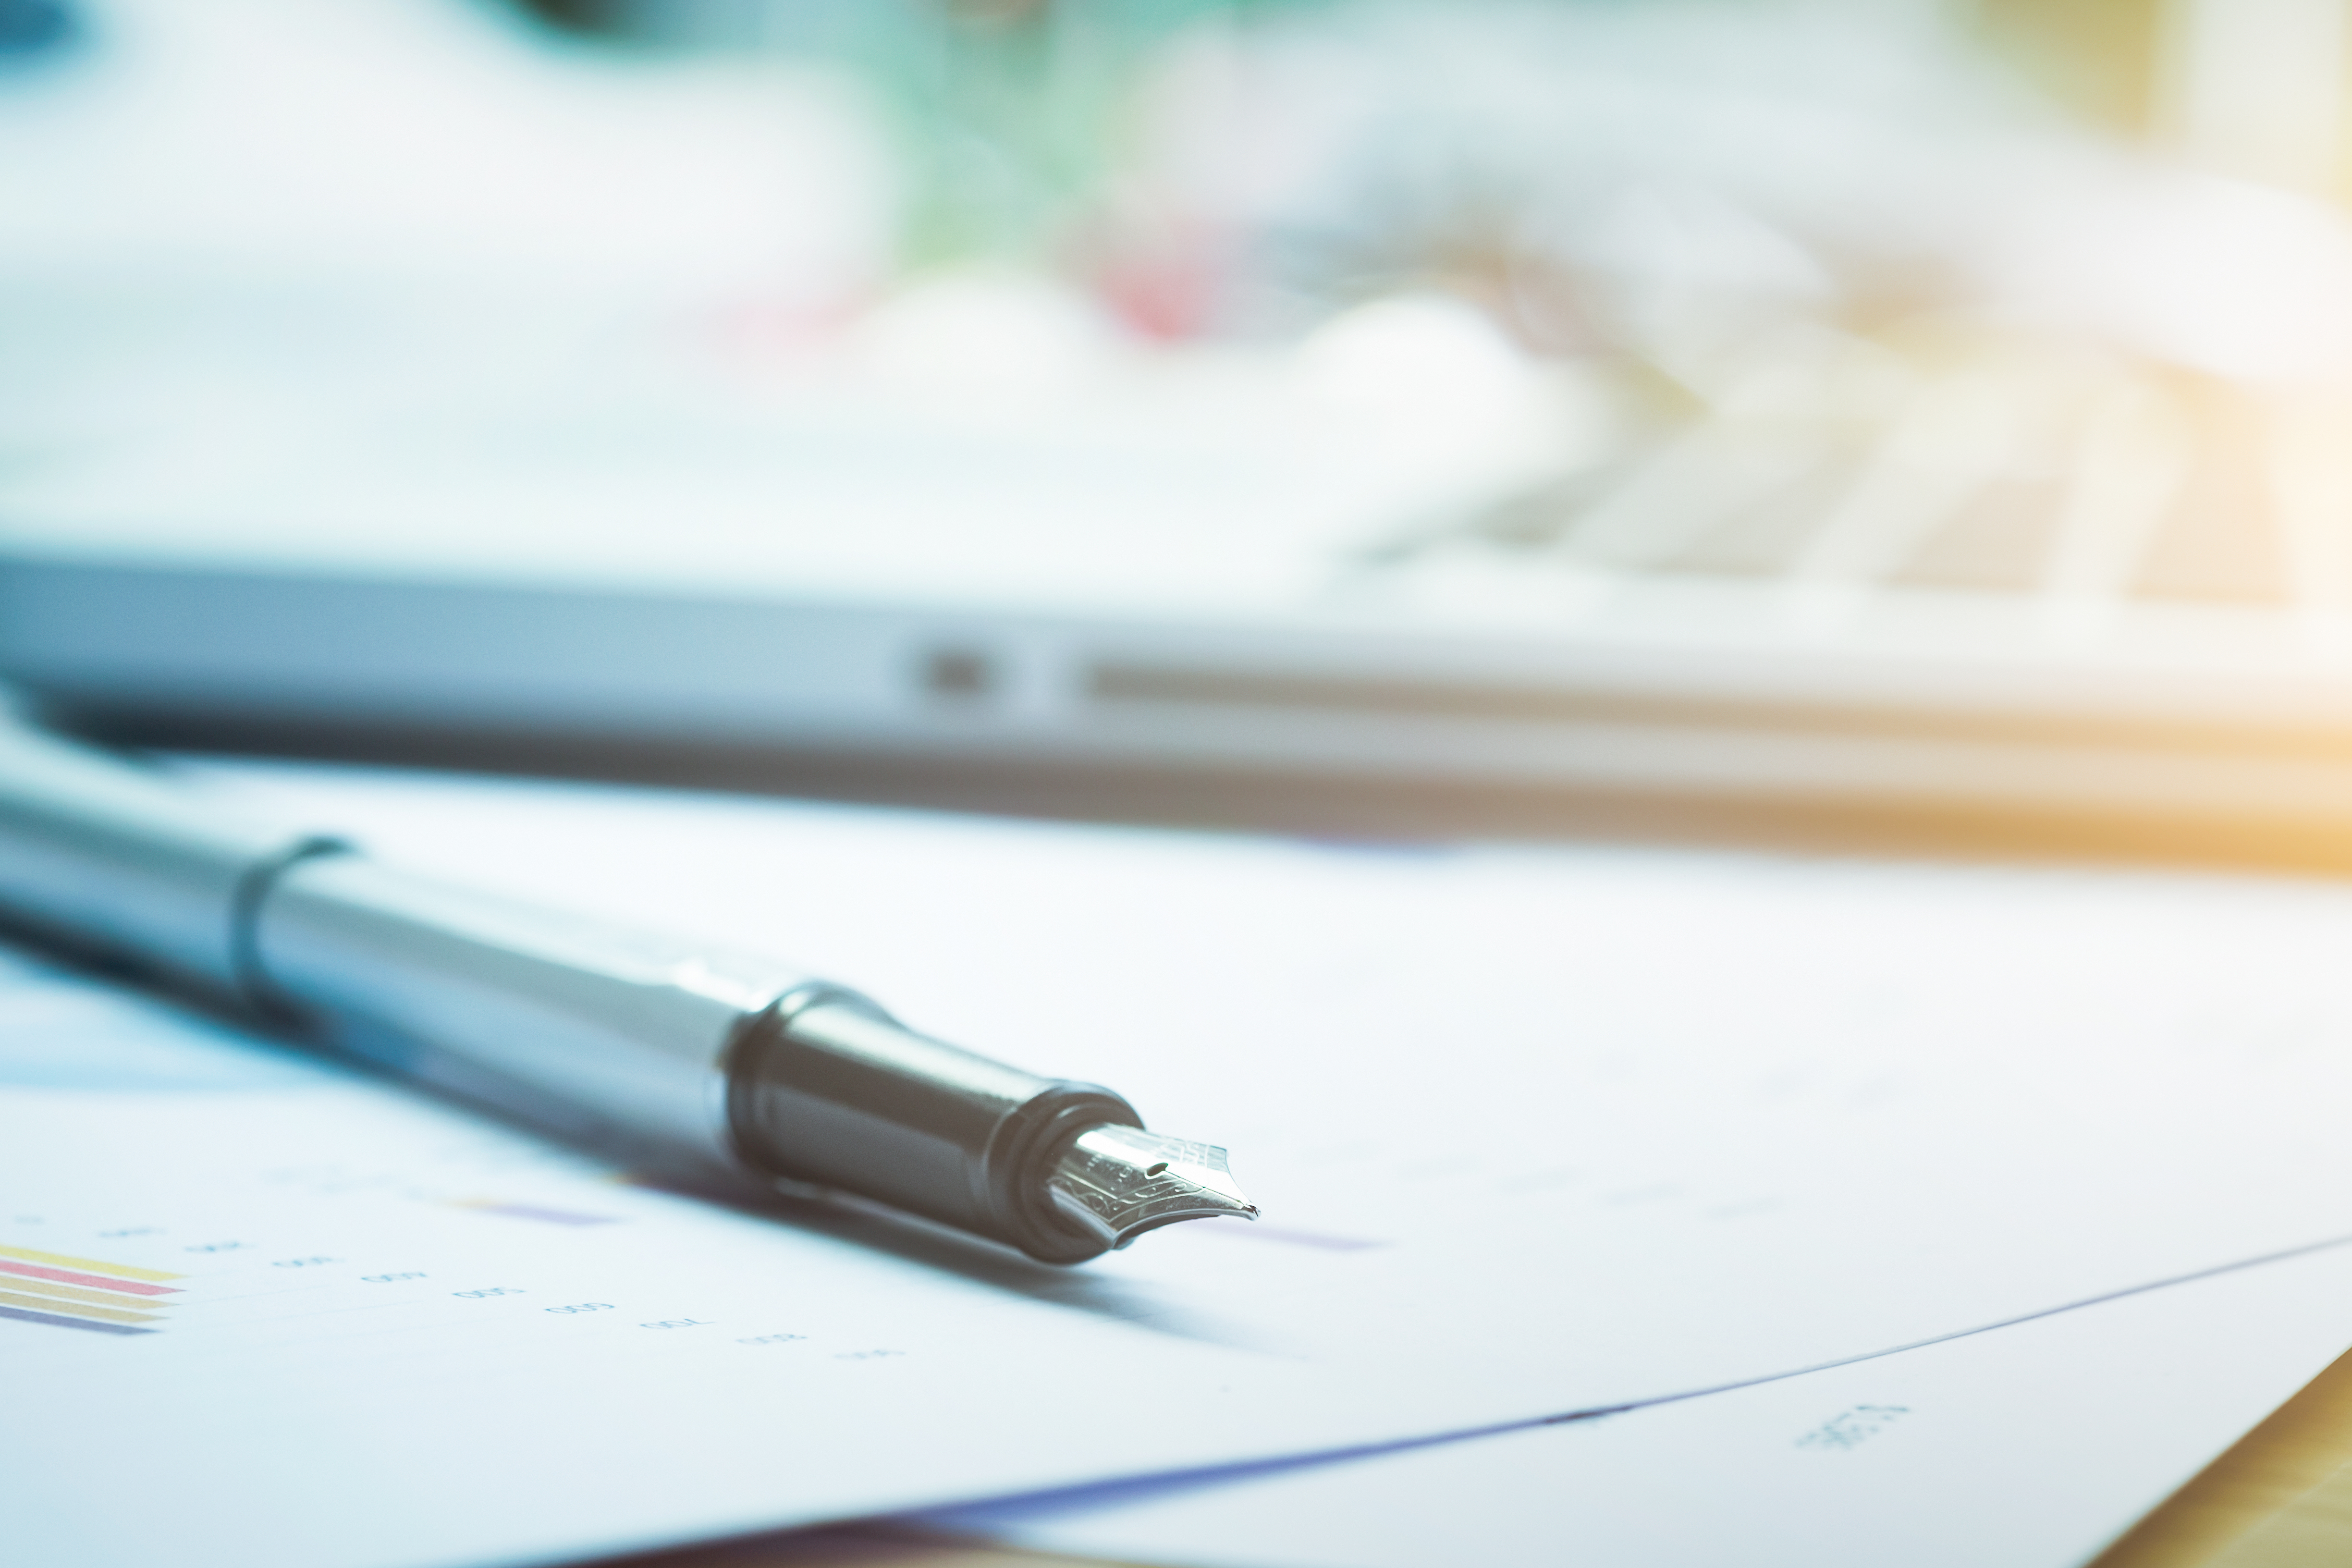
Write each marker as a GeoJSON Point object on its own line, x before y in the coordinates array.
{"type": "Point", "coordinates": [1540, 1133]}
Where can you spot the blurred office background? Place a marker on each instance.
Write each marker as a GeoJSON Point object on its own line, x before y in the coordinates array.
{"type": "Point", "coordinates": [1983, 365]}
{"type": "Point", "coordinates": [1577, 169]}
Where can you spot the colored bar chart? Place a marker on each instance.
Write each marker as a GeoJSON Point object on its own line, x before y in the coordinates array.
{"type": "Point", "coordinates": [59, 1291]}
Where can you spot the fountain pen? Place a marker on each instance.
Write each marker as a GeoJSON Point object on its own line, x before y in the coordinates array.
{"type": "Point", "coordinates": [670, 1054]}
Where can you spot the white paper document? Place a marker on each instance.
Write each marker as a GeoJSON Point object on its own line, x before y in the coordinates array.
{"type": "Point", "coordinates": [1546, 1130]}
{"type": "Point", "coordinates": [2029, 1446]}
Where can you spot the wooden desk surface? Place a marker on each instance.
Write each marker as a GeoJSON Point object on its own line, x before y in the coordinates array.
{"type": "Point", "coordinates": [2281, 1498]}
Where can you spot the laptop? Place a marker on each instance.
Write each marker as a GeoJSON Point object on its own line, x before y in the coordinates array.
{"type": "Point", "coordinates": [1976, 573]}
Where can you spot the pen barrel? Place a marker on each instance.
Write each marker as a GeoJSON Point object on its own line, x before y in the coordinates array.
{"type": "Point", "coordinates": [104, 853]}
{"type": "Point", "coordinates": [677, 1056]}
{"type": "Point", "coordinates": [832, 1089]}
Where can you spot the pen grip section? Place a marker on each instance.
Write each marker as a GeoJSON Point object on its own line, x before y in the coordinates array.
{"type": "Point", "coordinates": [836, 1091]}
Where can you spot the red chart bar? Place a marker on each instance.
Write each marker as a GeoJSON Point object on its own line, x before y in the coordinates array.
{"type": "Point", "coordinates": [100, 1281]}
{"type": "Point", "coordinates": [20, 1314]}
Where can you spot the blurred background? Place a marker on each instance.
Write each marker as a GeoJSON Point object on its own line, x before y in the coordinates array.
{"type": "Point", "coordinates": [1853, 411]}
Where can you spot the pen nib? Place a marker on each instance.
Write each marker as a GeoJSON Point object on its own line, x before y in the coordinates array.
{"type": "Point", "coordinates": [1119, 1182]}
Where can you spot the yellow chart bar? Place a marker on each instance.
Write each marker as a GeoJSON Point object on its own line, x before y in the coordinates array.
{"type": "Point", "coordinates": [59, 1260]}
{"type": "Point", "coordinates": [76, 1293]}
{"type": "Point", "coordinates": [73, 1308]}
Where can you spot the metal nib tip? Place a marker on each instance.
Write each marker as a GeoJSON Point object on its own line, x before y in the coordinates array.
{"type": "Point", "coordinates": [1119, 1181]}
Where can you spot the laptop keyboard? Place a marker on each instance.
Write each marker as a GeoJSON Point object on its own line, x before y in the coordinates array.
{"type": "Point", "coordinates": [2021, 497]}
